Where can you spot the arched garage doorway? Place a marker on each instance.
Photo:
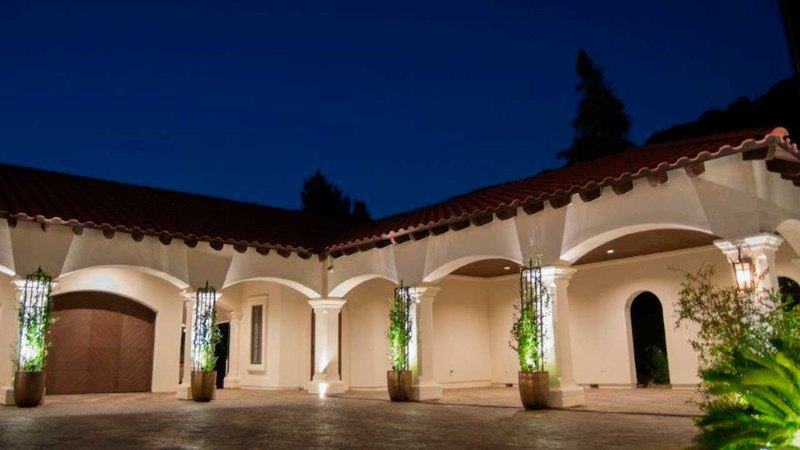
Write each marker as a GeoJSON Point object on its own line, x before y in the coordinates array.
{"type": "Point", "coordinates": [649, 340]}
{"type": "Point", "coordinates": [100, 343]}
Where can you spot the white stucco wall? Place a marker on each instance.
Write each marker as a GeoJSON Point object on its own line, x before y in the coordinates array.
{"type": "Point", "coordinates": [287, 334]}
{"type": "Point", "coordinates": [8, 329]}
{"type": "Point", "coordinates": [462, 355]}
{"type": "Point", "coordinates": [365, 347]}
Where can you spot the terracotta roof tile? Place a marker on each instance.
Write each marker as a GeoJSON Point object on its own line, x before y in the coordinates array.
{"type": "Point", "coordinates": [632, 163]}
{"type": "Point", "coordinates": [31, 193]}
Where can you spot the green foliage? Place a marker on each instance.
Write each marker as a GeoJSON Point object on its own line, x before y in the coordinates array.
{"type": "Point", "coordinates": [601, 126]}
{"type": "Point", "coordinates": [400, 328]}
{"type": "Point", "coordinates": [659, 365]}
{"type": "Point", "coordinates": [34, 322]}
{"type": "Point", "coordinates": [749, 344]}
{"type": "Point", "coordinates": [758, 403]}
{"type": "Point", "coordinates": [528, 331]}
{"type": "Point", "coordinates": [207, 358]}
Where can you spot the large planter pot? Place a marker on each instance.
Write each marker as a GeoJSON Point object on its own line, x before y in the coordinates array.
{"type": "Point", "coordinates": [399, 383]}
{"type": "Point", "coordinates": [534, 388]}
{"type": "Point", "coordinates": [28, 388]}
{"type": "Point", "coordinates": [204, 385]}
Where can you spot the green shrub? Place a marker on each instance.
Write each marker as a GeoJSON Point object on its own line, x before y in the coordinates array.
{"type": "Point", "coordinates": [400, 327]}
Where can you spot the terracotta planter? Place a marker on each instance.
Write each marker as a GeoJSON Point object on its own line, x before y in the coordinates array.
{"type": "Point", "coordinates": [28, 388]}
{"type": "Point", "coordinates": [399, 383]}
{"type": "Point", "coordinates": [534, 388]}
{"type": "Point", "coordinates": [204, 385]}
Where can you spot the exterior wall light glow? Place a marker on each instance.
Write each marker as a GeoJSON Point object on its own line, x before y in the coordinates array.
{"type": "Point", "coordinates": [610, 251]}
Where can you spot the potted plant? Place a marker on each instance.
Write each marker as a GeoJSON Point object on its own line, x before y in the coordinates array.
{"type": "Point", "coordinates": [528, 336]}
{"type": "Point", "coordinates": [400, 324]}
{"type": "Point", "coordinates": [206, 336]}
{"type": "Point", "coordinates": [34, 321]}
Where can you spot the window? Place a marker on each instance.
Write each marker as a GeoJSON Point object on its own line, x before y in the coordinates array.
{"type": "Point", "coordinates": [256, 334]}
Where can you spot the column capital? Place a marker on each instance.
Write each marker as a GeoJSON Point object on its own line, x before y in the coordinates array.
{"type": "Point", "coordinates": [427, 293]}
{"type": "Point", "coordinates": [325, 304]}
{"type": "Point", "coordinates": [188, 294]}
{"type": "Point", "coordinates": [754, 245]}
{"type": "Point", "coordinates": [553, 274]}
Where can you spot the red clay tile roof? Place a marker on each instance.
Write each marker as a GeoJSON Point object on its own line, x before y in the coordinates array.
{"type": "Point", "coordinates": [55, 197]}
{"type": "Point", "coordinates": [30, 194]}
{"type": "Point", "coordinates": [554, 186]}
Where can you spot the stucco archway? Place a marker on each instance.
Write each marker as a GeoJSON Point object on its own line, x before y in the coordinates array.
{"type": "Point", "coordinates": [455, 264]}
{"type": "Point", "coordinates": [574, 253]}
{"type": "Point", "coordinates": [299, 287]}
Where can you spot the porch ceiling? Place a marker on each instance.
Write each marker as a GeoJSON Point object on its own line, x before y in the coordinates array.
{"type": "Point", "coordinates": [646, 243]}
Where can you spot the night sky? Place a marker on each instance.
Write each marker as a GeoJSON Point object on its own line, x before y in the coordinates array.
{"type": "Point", "coordinates": [399, 103]}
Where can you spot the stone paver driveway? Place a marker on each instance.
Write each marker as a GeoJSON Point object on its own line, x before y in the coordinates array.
{"type": "Point", "coordinates": [253, 419]}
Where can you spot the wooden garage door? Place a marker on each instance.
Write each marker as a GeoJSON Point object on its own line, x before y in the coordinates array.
{"type": "Point", "coordinates": [100, 343]}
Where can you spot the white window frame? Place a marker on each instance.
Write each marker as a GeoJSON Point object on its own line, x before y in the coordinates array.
{"type": "Point", "coordinates": [263, 301]}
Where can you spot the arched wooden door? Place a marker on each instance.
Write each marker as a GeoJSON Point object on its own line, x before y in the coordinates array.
{"type": "Point", "coordinates": [100, 343]}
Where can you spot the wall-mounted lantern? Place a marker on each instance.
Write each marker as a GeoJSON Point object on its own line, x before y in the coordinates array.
{"type": "Point", "coordinates": [744, 272]}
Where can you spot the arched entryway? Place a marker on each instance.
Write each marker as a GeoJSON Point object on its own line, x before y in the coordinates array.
{"type": "Point", "coordinates": [100, 343]}
{"type": "Point", "coordinates": [790, 290]}
{"type": "Point", "coordinates": [649, 340]}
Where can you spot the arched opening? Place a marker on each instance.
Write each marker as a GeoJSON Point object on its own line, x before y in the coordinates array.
{"type": "Point", "coordinates": [100, 343]}
{"type": "Point", "coordinates": [649, 340]}
{"type": "Point", "coordinates": [790, 292]}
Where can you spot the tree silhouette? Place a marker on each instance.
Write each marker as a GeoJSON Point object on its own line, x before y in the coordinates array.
{"type": "Point", "coordinates": [776, 107]}
{"type": "Point", "coordinates": [322, 198]}
{"type": "Point", "coordinates": [601, 126]}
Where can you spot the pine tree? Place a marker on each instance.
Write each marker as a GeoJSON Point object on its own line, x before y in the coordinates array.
{"type": "Point", "coordinates": [322, 198]}
{"type": "Point", "coordinates": [601, 126]}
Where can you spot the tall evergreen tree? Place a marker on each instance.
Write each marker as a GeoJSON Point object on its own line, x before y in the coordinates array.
{"type": "Point", "coordinates": [601, 126]}
{"type": "Point", "coordinates": [324, 199]}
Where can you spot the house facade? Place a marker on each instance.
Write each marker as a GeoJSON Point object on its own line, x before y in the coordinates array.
{"type": "Point", "coordinates": [304, 302]}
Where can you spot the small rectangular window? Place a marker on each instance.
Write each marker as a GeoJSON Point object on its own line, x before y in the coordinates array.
{"type": "Point", "coordinates": [256, 334]}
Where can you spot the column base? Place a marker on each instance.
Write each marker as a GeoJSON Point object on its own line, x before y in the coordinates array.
{"type": "Point", "coordinates": [426, 391]}
{"type": "Point", "coordinates": [7, 394]}
{"type": "Point", "coordinates": [232, 383]}
{"type": "Point", "coordinates": [325, 387]}
{"type": "Point", "coordinates": [567, 397]}
{"type": "Point", "coordinates": [184, 391]}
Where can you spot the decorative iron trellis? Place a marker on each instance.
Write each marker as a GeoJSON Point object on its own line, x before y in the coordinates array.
{"type": "Point", "coordinates": [535, 309]}
{"type": "Point", "coordinates": [34, 320]}
{"type": "Point", "coordinates": [204, 331]}
{"type": "Point", "coordinates": [401, 322]}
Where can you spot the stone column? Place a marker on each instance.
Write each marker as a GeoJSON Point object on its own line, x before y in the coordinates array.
{"type": "Point", "coordinates": [185, 387]}
{"type": "Point", "coordinates": [564, 393]}
{"type": "Point", "coordinates": [425, 386]}
{"type": "Point", "coordinates": [760, 248]}
{"type": "Point", "coordinates": [232, 381]}
{"type": "Point", "coordinates": [326, 379]}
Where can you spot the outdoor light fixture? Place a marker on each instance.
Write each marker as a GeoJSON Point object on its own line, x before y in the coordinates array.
{"type": "Point", "coordinates": [610, 251]}
{"type": "Point", "coordinates": [743, 271]}
{"type": "Point", "coordinates": [204, 310]}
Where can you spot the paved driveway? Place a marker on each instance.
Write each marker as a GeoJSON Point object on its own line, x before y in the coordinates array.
{"type": "Point", "coordinates": [293, 419]}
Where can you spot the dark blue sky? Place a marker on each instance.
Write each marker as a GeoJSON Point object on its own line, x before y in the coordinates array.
{"type": "Point", "coordinates": [399, 103]}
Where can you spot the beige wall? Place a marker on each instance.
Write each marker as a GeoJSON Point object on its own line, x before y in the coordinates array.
{"type": "Point", "coordinates": [8, 329]}
{"type": "Point", "coordinates": [365, 320]}
{"type": "Point", "coordinates": [287, 357]}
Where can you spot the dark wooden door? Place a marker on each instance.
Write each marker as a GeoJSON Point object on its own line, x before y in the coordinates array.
{"type": "Point", "coordinates": [100, 343]}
